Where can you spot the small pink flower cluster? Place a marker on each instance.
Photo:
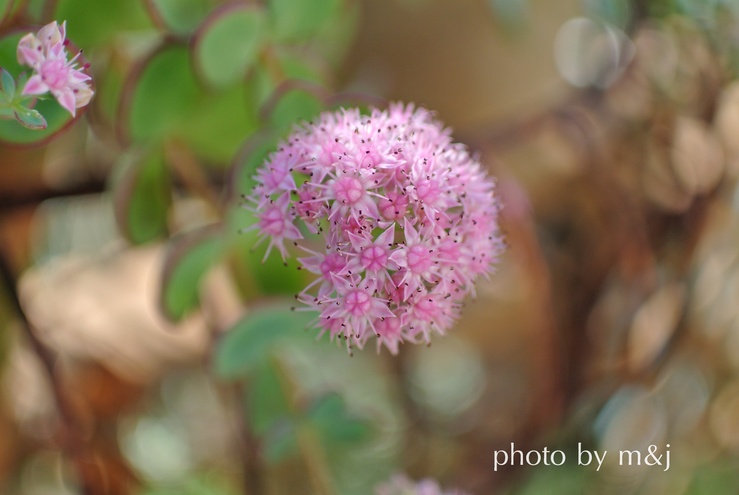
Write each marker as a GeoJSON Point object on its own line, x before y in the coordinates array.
{"type": "Point", "coordinates": [402, 485]}
{"type": "Point", "coordinates": [45, 52]}
{"type": "Point", "coordinates": [407, 220]}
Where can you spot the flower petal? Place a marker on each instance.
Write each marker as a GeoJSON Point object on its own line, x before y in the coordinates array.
{"type": "Point", "coordinates": [30, 51]}
{"type": "Point", "coordinates": [35, 86]}
{"type": "Point", "coordinates": [50, 34]}
{"type": "Point", "coordinates": [66, 99]}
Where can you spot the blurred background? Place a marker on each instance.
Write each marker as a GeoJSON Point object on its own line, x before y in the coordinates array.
{"type": "Point", "coordinates": [144, 349]}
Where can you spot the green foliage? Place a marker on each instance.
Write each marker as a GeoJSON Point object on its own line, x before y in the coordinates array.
{"type": "Point", "coordinates": [334, 422]}
{"type": "Point", "coordinates": [181, 16]}
{"type": "Point", "coordinates": [293, 106]}
{"type": "Point", "coordinates": [30, 118]}
{"type": "Point", "coordinates": [511, 13]}
{"type": "Point", "coordinates": [228, 43]}
{"type": "Point", "coordinates": [196, 484]}
{"type": "Point", "coordinates": [293, 21]}
{"type": "Point", "coordinates": [614, 12]}
{"type": "Point", "coordinates": [142, 198]}
{"type": "Point", "coordinates": [91, 24]}
{"type": "Point", "coordinates": [7, 8]}
{"type": "Point", "coordinates": [7, 84]}
{"type": "Point", "coordinates": [251, 340]}
{"type": "Point", "coordinates": [721, 477]}
{"type": "Point", "coordinates": [220, 123]}
{"type": "Point", "coordinates": [555, 480]}
{"type": "Point", "coordinates": [163, 95]}
{"type": "Point", "coordinates": [190, 256]}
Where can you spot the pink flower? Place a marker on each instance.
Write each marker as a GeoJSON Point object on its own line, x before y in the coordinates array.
{"type": "Point", "coordinates": [397, 220]}
{"type": "Point", "coordinates": [46, 54]}
{"type": "Point", "coordinates": [402, 485]}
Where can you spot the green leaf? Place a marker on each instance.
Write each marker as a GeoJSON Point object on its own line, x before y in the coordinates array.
{"type": "Point", "coordinates": [142, 198]}
{"type": "Point", "coordinates": [181, 16]}
{"type": "Point", "coordinates": [8, 84]}
{"type": "Point", "coordinates": [93, 23]}
{"type": "Point", "coordinates": [296, 21]}
{"type": "Point", "coordinates": [249, 342]}
{"type": "Point", "coordinates": [266, 401]}
{"type": "Point", "coordinates": [160, 95]}
{"type": "Point", "coordinates": [294, 105]}
{"type": "Point", "coordinates": [614, 12]}
{"type": "Point", "coordinates": [7, 8]}
{"type": "Point", "coordinates": [221, 123]}
{"type": "Point", "coordinates": [227, 44]}
{"type": "Point", "coordinates": [29, 118]}
{"type": "Point", "coordinates": [511, 13]}
{"type": "Point", "coordinates": [334, 422]}
{"type": "Point", "coordinates": [190, 256]}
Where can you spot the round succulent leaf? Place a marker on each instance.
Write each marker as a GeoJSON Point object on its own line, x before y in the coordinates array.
{"type": "Point", "coordinates": [159, 95]}
{"type": "Point", "coordinates": [142, 197]}
{"type": "Point", "coordinates": [190, 256]}
{"type": "Point", "coordinates": [30, 118]}
{"type": "Point", "coordinates": [180, 16]}
{"type": "Point", "coordinates": [294, 101]}
{"type": "Point", "coordinates": [95, 23]}
{"type": "Point", "coordinates": [251, 340]}
{"type": "Point", "coordinates": [227, 44]}
{"type": "Point", "coordinates": [57, 118]}
{"type": "Point", "coordinates": [334, 422]}
{"type": "Point", "coordinates": [266, 403]}
{"type": "Point", "coordinates": [220, 124]}
{"type": "Point", "coordinates": [296, 21]}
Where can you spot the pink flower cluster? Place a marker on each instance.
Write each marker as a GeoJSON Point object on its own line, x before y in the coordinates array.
{"type": "Point", "coordinates": [397, 222]}
{"type": "Point", "coordinates": [46, 53]}
{"type": "Point", "coordinates": [402, 485]}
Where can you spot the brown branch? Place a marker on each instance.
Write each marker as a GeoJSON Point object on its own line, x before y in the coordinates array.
{"type": "Point", "coordinates": [72, 440]}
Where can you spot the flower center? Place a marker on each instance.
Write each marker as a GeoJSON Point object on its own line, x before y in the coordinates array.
{"type": "Point", "coordinates": [348, 190]}
{"type": "Point", "coordinates": [357, 303]}
{"type": "Point", "coordinates": [332, 263]}
{"type": "Point", "coordinates": [394, 206]}
{"type": "Point", "coordinates": [419, 259]}
{"type": "Point", "coordinates": [273, 221]}
{"type": "Point", "coordinates": [374, 258]}
{"type": "Point", "coordinates": [54, 73]}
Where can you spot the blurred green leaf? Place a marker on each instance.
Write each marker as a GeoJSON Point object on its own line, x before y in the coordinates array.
{"type": "Point", "coordinates": [161, 96]}
{"type": "Point", "coordinates": [181, 16]}
{"type": "Point", "coordinates": [8, 84]}
{"type": "Point", "coordinates": [142, 197]}
{"type": "Point", "coordinates": [511, 13]}
{"type": "Point", "coordinates": [92, 23]}
{"type": "Point", "coordinates": [296, 21]}
{"type": "Point", "coordinates": [249, 342]}
{"type": "Point", "coordinates": [221, 123]}
{"type": "Point", "coordinates": [614, 12]}
{"type": "Point", "coordinates": [195, 484]}
{"type": "Point", "coordinates": [30, 119]}
{"type": "Point", "coordinates": [7, 8]}
{"type": "Point", "coordinates": [294, 105]}
{"type": "Point", "coordinates": [228, 43]}
{"type": "Point", "coordinates": [560, 480]}
{"type": "Point", "coordinates": [189, 258]}
{"type": "Point", "coordinates": [334, 422]}
{"type": "Point", "coordinates": [266, 401]}
{"type": "Point", "coordinates": [721, 477]}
